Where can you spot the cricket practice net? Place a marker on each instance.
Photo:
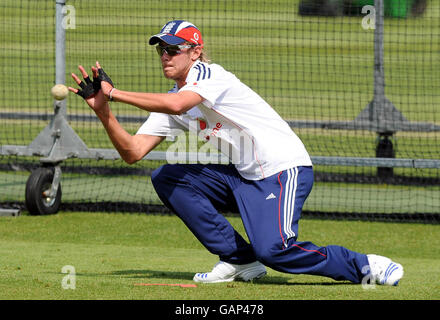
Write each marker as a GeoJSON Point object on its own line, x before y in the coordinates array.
{"type": "Point", "coordinates": [358, 81]}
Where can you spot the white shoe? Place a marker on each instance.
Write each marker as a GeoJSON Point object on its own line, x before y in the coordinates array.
{"type": "Point", "coordinates": [384, 271]}
{"type": "Point", "coordinates": [225, 272]}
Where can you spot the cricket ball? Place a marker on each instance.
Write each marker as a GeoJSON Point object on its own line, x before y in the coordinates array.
{"type": "Point", "coordinates": [59, 91]}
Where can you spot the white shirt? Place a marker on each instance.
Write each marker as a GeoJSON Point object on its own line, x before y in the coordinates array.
{"type": "Point", "coordinates": [238, 122]}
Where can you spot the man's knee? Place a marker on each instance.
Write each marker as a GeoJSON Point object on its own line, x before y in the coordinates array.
{"type": "Point", "coordinates": [266, 255]}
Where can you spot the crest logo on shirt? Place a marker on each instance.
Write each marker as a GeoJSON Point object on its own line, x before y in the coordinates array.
{"type": "Point", "coordinates": [202, 124]}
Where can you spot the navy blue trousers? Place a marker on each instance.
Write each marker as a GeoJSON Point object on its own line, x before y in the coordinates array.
{"type": "Point", "coordinates": [270, 210]}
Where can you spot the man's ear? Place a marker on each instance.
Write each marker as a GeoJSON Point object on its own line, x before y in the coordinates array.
{"type": "Point", "coordinates": [196, 53]}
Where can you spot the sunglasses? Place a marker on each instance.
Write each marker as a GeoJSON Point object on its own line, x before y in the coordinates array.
{"type": "Point", "coordinates": [173, 50]}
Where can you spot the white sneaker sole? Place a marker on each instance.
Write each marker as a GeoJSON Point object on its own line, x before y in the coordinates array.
{"type": "Point", "coordinates": [249, 274]}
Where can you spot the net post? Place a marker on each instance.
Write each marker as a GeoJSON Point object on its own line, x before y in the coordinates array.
{"type": "Point", "coordinates": [60, 54]}
{"type": "Point", "coordinates": [379, 72]}
{"type": "Point", "coordinates": [58, 141]}
{"type": "Point", "coordinates": [384, 147]}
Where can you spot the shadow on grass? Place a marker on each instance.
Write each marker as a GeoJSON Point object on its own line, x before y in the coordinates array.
{"type": "Point", "coordinates": [178, 275]}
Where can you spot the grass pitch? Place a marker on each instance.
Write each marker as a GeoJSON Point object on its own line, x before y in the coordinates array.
{"type": "Point", "coordinates": [111, 253]}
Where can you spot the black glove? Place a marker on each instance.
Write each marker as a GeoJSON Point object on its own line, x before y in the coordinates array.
{"type": "Point", "coordinates": [102, 76]}
{"type": "Point", "coordinates": [88, 89]}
